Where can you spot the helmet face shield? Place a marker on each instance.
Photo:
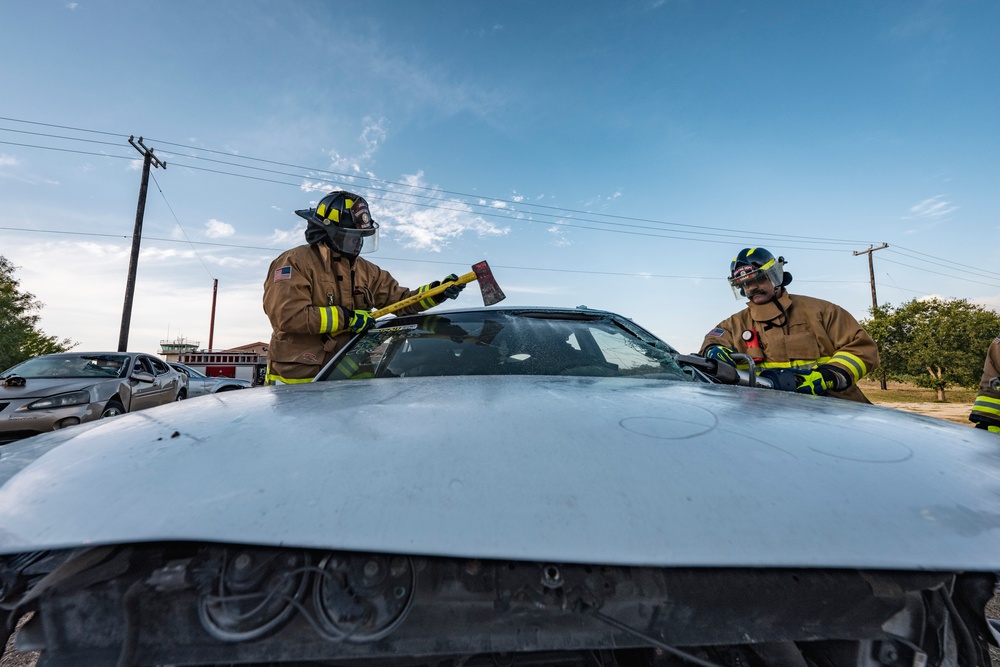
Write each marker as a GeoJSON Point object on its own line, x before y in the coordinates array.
{"type": "Point", "coordinates": [745, 277]}
{"type": "Point", "coordinates": [754, 266]}
{"type": "Point", "coordinates": [354, 241]}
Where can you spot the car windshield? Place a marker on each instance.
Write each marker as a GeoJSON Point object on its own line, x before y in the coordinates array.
{"type": "Point", "coordinates": [528, 342]}
{"type": "Point", "coordinates": [73, 366]}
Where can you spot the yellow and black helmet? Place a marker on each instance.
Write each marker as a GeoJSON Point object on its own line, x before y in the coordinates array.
{"type": "Point", "coordinates": [343, 220]}
{"type": "Point", "coordinates": [751, 263]}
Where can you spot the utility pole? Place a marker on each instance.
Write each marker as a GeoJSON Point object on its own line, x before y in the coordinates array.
{"type": "Point", "coordinates": [211, 325]}
{"type": "Point", "coordinates": [871, 273]}
{"type": "Point", "coordinates": [147, 159]}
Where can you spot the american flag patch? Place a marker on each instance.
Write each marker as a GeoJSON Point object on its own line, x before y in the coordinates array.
{"type": "Point", "coordinates": [284, 273]}
{"type": "Point", "coordinates": [715, 333]}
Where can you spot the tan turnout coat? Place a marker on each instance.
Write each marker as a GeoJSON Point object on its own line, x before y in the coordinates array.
{"type": "Point", "coordinates": [301, 291]}
{"type": "Point", "coordinates": [810, 332]}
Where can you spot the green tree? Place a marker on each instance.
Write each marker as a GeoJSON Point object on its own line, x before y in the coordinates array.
{"type": "Point", "coordinates": [20, 337]}
{"type": "Point", "coordinates": [934, 343]}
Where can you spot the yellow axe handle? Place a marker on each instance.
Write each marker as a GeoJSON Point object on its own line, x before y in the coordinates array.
{"type": "Point", "coordinates": [420, 296]}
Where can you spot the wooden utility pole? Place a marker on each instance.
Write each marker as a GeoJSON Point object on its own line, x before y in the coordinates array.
{"type": "Point", "coordinates": [211, 324]}
{"type": "Point", "coordinates": [871, 273]}
{"type": "Point", "coordinates": [147, 159]}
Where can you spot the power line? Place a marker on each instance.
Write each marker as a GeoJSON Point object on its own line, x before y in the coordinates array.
{"type": "Point", "coordinates": [564, 217]}
{"type": "Point", "coordinates": [378, 185]}
{"type": "Point", "coordinates": [413, 260]}
{"type": "Point", "coordinates": [180, 226]}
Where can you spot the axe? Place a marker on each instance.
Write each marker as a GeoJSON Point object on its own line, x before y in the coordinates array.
{"type": "Point", "coordinates": [480, 272]}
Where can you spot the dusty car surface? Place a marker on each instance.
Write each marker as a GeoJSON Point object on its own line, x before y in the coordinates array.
{"type": "Point", "coordinates": [616, 507]}
{"type": "Point", "coordinates": [200, 384]}
{"type": "Point", "coordinates": [52, 391]}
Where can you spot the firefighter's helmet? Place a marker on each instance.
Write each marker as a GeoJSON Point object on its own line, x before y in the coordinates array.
{"type": "Point", "coordinates": [753, 263]}
{"type": "Point", "coordinates": [343, 220]}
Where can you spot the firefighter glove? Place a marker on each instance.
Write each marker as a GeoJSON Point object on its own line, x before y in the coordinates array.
{"type": "Point", "coordinates": [358, 321]}
{"type": "Point", "coordinates": [822, 379]}
{"type": "Point", "coordinates": [721, 353]}
{"type": "Point", "coordinates": [453, 290]}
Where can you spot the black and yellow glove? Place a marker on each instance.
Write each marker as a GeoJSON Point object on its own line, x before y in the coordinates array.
{"type": "Point", "coordinates": [822, 379]}
{"type": "Point", "coordinates": [358, 321]}
{"type": "Point", "coordinates": [451, 293]}
{"type": "Point", "coordinates": [721, 353]}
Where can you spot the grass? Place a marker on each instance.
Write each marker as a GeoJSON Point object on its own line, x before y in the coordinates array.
{"type": "Point", "coordinates": [902, 392]}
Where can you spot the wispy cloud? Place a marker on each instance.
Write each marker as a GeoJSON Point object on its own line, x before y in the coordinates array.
{"type": "Point", "coordinates": [934, 208]}
{"type": "Point", "coordinates": [216, 229]}
{"type": "Point", "coordinates": [8, 160]}
{"type": "Point", "coordinates": [422, 217]}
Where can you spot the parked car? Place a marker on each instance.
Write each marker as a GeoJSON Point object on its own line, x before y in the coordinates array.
{"type": "Point", "coordinates": [53, 391]}
{"type": "Point", "coordinates": [200, 384]}
{"type": "Point", "coordinates": [516, 486]}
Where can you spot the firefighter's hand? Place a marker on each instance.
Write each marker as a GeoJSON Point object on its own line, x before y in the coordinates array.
{"type": "Point", "coordinates": [821, 380]}
{"type": "Point", "coordinates": [453, 290]}
{"type": "Point", "coordinates": [359, 321]}
{"type": "Point", "coordinates": [721, 353]}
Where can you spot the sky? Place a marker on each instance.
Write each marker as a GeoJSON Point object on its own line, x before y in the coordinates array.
{"type": "Point", "coordinates": [616, 155]}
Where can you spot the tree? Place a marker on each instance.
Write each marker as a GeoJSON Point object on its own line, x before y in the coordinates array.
{"type": "Point", "coordinates": [20, 337]}
{"type": "Point", "coordinates": [934, 343]}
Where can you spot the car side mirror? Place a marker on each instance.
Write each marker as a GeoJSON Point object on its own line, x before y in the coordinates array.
{"type": "Point", "coordinates": [142, 376]}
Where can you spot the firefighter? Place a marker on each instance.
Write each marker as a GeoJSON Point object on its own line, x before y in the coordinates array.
{"type": "Point", "coordinates": [818, 341]}
{"type": "Point", "coordinates": [319, 294]}
{"type": "Point", "coordinates": [986, 409]}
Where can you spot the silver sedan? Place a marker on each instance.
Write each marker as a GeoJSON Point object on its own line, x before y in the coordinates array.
{"type": "Point", "coordinates": [53, 391]}
{"type": "Point", "coordinates": [200, 384]}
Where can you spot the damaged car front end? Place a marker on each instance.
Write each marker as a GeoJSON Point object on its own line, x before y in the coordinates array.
{"type": "Point", "coordinates": [577, 517]}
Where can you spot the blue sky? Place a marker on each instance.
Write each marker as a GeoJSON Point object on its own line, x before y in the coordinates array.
{"type": "Point", "coordinates": [616, 155]}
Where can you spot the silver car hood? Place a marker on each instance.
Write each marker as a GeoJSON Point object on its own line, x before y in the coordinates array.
{"type": "Point", "coordinates": [584, 470]}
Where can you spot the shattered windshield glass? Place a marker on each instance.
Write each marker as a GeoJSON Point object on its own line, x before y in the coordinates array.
{"type": "Point", "coordinates": [567, 343]}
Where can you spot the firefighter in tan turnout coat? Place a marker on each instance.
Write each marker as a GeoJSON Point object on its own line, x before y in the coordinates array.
{"type": "Point", "coordinates": [986, 409]}
{"type": "Point", "coordinates": [823, 343]}
{"type": "Point", "coordinates": [318, 295]}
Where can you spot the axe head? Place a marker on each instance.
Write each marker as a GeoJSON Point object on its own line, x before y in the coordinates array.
{"type": "Point", "coordinates": [488, 284]}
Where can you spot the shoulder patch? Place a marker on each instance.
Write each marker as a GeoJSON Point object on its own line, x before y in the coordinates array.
{"type": "Point", "coordinates": [715, 333]}
{"type": "Point", "coordinates": [284, 273]}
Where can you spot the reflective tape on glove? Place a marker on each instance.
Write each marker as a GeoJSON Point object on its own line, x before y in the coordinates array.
{"type": "Point", "coordinates": [721, 353]}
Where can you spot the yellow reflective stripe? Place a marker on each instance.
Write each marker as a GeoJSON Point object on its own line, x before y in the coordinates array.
{"type": "Point", "coordinates": [329, 317]}
{"type": "Point", "coordinates": [987, 405]}
{"type": "Point", "coordinates": [854, 364]}
{"type": "Point", "coordinates": [993, 429]}
{"type": "Point", "coordinates": [429, 302]}
{"type": "Point", "coordinates": [796, 363]}
{"type": "Point", "coordinates": [346, 368]}
{"type": "Point", "coordinates": [272, 378]}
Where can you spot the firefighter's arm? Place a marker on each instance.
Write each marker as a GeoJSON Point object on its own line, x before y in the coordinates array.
{"type": "Point", "coordinates": [387, 291]}
{"type": "Point", "coordinates": [986, 409]}
{"type": "Point", "coordinates": [856, 355]}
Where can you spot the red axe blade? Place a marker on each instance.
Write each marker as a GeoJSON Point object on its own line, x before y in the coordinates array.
{"type": "Point", "coordinates": [488, 284]}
